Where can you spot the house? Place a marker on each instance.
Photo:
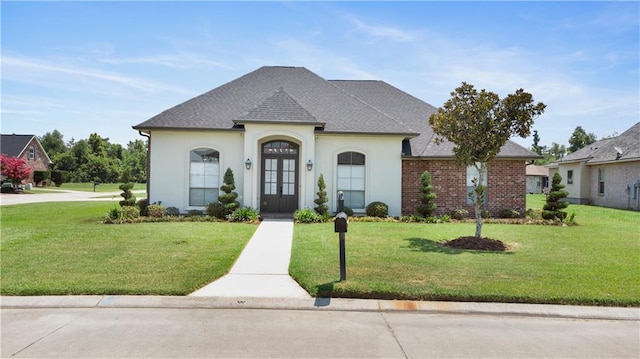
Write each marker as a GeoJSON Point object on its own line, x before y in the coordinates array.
{"type": "Point", "coordinates": [605, 173]}
{"type": "Point", "coordinates": [537, 178]}
{"type": "Point", "coordinates": [28, 148]}
{"type": "Point", "coordinates": [279, 128]}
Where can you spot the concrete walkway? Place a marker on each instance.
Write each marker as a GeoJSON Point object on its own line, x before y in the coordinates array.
{"type": "Point", "coordinates": [262, 270]}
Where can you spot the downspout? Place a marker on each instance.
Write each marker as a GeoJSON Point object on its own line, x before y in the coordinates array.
{"type": "Point", "coordinates": [148, 136]}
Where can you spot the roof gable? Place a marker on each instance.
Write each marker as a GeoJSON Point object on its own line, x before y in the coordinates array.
{"type": "Point", "coordinates": [279, 108]}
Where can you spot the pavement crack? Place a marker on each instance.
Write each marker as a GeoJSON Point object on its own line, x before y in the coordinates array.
{"type": "Point", "coordinates": [41, 338]}
{"type": "Point", "coordinates": [393, 333]}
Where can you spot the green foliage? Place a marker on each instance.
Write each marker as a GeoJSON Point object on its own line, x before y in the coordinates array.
{"type": "Point", "coordinates": [41, 176]}
{"type": "Point", "coordinates": [128, 198]}
{"type": "Point", "coordinates": [460, 214]}
{"type": "Point", "coordinates": [59, 177]}
{"type": "Point", "coordinates": [348, 211]}
{"type": "Point", "coordinates": [509, 213]}
{"type": "Point", "coordinates": [53, 143]}
{"type": "Point", "coordinates": [427, 198]}
{"type": "Point", "coordinates": [244, 214]}
{"type": "Point", "coordinates": [156, 210]}
{"type": "Point", "coordinates": [579, 139]}
{"type": "Point", "coordinates": [228, 199]}
{"type": "Point", "coordinates": [322, 199]}
{"type": "Point", "coordinates": [173, 211]}
{"type": "Point", "coordinates": [130, 213]}
{"type": "Point", "coordinates": [142, 205]}
{"type": "Point", "coordinates": [307, 215]}
{"type": "Point", "coordinates": [190, 213]}
{"type": "Point", "coordinates": [552, 209]}
{"type": "Point", "coordinates": [377, 209]}
{"type": "Point", "coordinates": [216, 210]}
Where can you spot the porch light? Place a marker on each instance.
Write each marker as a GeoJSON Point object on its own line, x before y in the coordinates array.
{"type": "Point", "coordinates": [247, 164]}
{"type": "Point", "coordinates": [309, 165]}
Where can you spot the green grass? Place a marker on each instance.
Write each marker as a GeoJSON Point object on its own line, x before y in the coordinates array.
{"type": "Point", "coordinates": [594, 263]}
{"type": "Point", "coordinates": [63, 249]}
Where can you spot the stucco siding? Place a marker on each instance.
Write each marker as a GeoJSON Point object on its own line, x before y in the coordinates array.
{"type": "Point", "coordinates": [169, 163]}
{"type": "Point", "coordinates": [618, 185]}
{"type": "Point", "coordinates": [534, 184]}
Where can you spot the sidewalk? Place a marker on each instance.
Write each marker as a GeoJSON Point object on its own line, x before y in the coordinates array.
{"type": "Point", "coordinates": [262, 270]}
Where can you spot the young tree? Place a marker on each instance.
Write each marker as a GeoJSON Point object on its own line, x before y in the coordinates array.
{"type": "Point", "coordinates": [536, 143]}
{"type": "Point", "coordinates": [228, 199]}
{"type": "Point", "coordinates": [552, 209]}
{"type": "Point", "coordinates": [14, 169]}
{"type": "Point", "coordinates": [427, 199]}
{"type": "Point", "coordinates": [579, 138]}
{"type": "Point", "coordinates": [479, 124]}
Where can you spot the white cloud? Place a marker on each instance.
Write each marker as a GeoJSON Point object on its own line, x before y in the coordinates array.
{"type": "Point", "coordinates": [176, 61]}
{"type": "Point", "coordinates": [379, 31]}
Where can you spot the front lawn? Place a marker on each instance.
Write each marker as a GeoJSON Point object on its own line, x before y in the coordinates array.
{"type": "Point", "coordinates": [63, 248]}
{"type": "Point", "coordinates": [594, 263]}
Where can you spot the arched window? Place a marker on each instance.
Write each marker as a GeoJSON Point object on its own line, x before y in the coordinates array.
{"type": "Point", "coordinates": [204, 176]}
{"type": "Point", "coordinates": [351, 181]}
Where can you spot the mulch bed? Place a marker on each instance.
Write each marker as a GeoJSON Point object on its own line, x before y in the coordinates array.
{"type": "Point", "coordinates": [482, 244]}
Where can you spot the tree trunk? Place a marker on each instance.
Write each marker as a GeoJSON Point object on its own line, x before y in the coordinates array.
{"type": "Point", "coordinates": [479, 197]}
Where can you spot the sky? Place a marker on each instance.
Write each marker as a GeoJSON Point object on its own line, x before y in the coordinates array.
{"type": "Point", "coordinates": [103, 67]}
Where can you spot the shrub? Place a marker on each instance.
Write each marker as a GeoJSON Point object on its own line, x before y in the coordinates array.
{"type": "Point", "coordinates": [41, 176]}
{"type": "Point", "coordinates": [190, 213]}
{"type": "Point", "coordinates": [228, 199]}
{"type": "Point", "coordinates": [129, 198]}
{"type": "Point", "coordinates": [427, 199]}
{"type": "Point", "coordinates": [113, 216]}
{"type": "Point", "coordinates": [156, 210]}
{"type": "Point", "coordinates": [348, 211]}
{"type": "Point", "coordinates": [142, 205]}
{"type": "Point", "coordinates": [173, 211]}
{"type": "Point", "coordinates": [445, 218]}
{"type": "Point", "coordinates": [59, 177]}
{"type": "Point", "coordinates": [322, 199]}
{"type": "Point", "coordinates": [552, 209]}
{"type": "Point", "coordinates": [485, 213]}
{"type": "Point", "coordinates": [509, 213]}
{"type": "Point", "coordinates": [216, 210]}
{"type": "Point", "coordinates": [130, 213]}
{"type": "Point", "coordinates": [244, 214]}
{"type": "Point", "coordinates": [460, 214]}
{"type": "Point", "coordinates": [306, 215]}
{"type": "Point", "coordinates": [377, 209]}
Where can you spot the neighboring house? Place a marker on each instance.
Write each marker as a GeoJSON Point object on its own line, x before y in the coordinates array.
{"type": "Point", "coordinates": [28, 148]}
{"type": "Point", "coordinates": [537, 178]}
{"type": "Point", "coordinates": [604, 173]}
{"type": "Point", "coordinates": [279, 128]}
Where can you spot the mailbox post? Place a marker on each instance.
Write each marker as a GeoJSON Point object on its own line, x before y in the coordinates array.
{"type": "Point", "coordinates": [341, 223]}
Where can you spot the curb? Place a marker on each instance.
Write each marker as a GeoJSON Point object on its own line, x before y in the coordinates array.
{"type": "Point", "coordinates": [323, 304]}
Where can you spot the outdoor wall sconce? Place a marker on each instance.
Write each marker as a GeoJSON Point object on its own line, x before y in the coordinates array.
{"type": "Point", "coordinates": [247, 164]}
{"type": "Point", "coordinates": [309, 165]}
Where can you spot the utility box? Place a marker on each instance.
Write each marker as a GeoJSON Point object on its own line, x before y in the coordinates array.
{"type": "Point", "coordinates": [341, 223]}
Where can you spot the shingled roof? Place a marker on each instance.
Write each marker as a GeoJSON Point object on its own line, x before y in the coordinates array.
{"type": "Point", "coordinates": [275, 94]}
{"type": "Point", "coordinates": [624, 147]}
{"type": "Point", "coordinates": [14, 145]}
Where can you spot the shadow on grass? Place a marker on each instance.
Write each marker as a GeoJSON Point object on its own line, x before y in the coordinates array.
{"type": "Point", "coordinates": [324, 294]}
{"type": "Point", "coordinates": [427, 245]}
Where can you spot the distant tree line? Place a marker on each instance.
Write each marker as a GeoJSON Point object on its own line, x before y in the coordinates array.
{"type": "Point", "coordinates": [95, 159]}
{"type": "Point", "coordinates": [579, 139]}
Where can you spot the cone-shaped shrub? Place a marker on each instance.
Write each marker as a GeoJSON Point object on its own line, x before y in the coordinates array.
{"type": "Point", "coordinates": [228, 199]}
{"type": "Point", "coordinates": [322, 199]}
{"type": "Point", "coordinates": [427, 198]}
{"type": "Point", "coordinates": [553, 208]}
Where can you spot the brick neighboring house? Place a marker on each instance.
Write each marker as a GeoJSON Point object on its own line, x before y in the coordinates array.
{"type": "Point", "coordinates": [28, 148]}
{"type": "Point", "coordinates": [605, 173]}
{"type": "Point", "coordinates": [279, 128]}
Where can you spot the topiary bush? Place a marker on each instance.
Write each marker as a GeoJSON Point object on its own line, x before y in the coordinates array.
{"type": "Point", "coordinates": [128, 198]}
{"type": "Point", "coordinates": [156, 210]}
{"type": "Point", "coordinates": [427, 198]}
{"type": "Point", "coordinates": [460, 214]}
{"type": "Point", "coordinates": [552, 209]}
{"type": "Point", "coordinates": [142, 205]}
{"type": "Point", "coordinates": [377, 209]}
{"type": "Point", "coordinates": [216, 210]}
{"type": "Point", "coordinates": [228, 199]}
{"type": "Point", "coordinates": [306, 215]}
{"type": "Point", "coordinates": [244, 214]}
{"type": "Point", "coordinates": [322, 199]}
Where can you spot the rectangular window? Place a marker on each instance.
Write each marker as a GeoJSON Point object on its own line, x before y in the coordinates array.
{"type": "Point", "coordinates": [472, 172]}
{"type": "Point", "coordinates": [601, 181]}
{"type": "Point", "coordinates": [203, 178]}
{"type": "Point", "coordinates": [351, 179]}
{"type": "Point", "coordinates": [32, 153]}
{"type": "Point", "coordinates": [570, 177]}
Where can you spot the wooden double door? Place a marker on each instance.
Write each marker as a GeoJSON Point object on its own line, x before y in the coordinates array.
{"type": "Point", "coordinates": [279, 177]}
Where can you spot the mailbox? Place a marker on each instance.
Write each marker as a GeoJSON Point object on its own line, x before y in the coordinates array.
{"type": "Point", "coordinates": [341, 223]}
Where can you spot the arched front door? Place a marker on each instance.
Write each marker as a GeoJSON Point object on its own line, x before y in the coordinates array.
{"type": "Point", "coordinates": [279, 178]}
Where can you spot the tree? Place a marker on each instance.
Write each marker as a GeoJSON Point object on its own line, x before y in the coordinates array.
{"type": "Point", "coordinates": [53, 143]}
{"type": "Point", "coordinates": [322, 197]}
{"type": "Point", "coordinates": [536, 143]}
{"type": "Point", "coordinates": [14, 169]}
{"type": "Point", "coordinates": [557, 151]}
{"type": "Point", "coordinates": [552, 209]}
{"type": "Point", "coordinates": [228, 199]}
{"type": "Point", "coordinates": [134, 160]}
{"type": "Point", "coordinates": [427, 198]}
{"type": "Point", "coordinates": [479, 124]}
{"type": "Point", "coordinates": [579, 139]}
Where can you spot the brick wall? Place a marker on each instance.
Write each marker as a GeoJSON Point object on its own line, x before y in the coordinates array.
{"type": "Point", "coordinates": [39, 163]}
{"type": "Point", "coordinates": [506, 185]}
